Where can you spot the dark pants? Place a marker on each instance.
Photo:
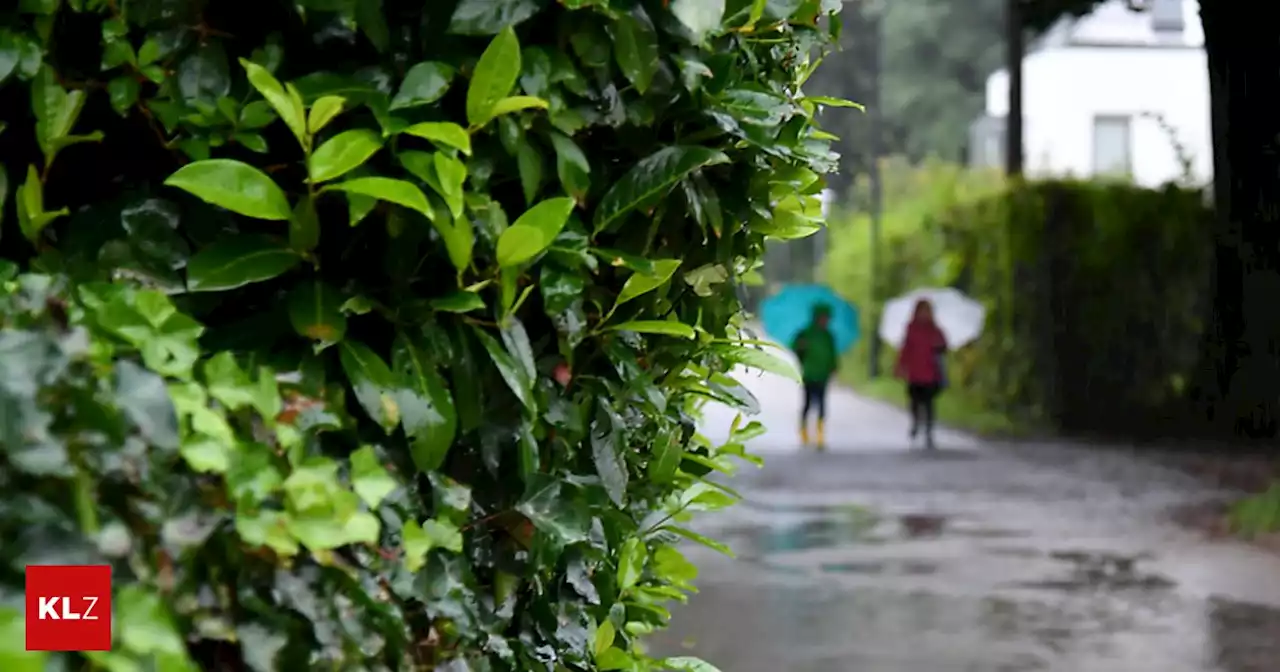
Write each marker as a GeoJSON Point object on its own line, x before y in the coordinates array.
{"type": "Point", "coordinates": [922, 398]}
{"type": "Point", "coordinates": [815, 397]}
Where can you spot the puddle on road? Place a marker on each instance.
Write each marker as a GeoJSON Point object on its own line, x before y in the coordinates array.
{"type": "Point", "coordinates": [1093, 571]}
{"type": "Point", "coordinates": [835, 527]}
{"type": "Point", "coordinates": [905, 568]}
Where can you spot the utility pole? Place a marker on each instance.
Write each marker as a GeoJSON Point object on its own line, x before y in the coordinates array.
{"type": "Point", "coordinates": [877, 189]}
{"type": "Point", "coordinates": [1014, 51]}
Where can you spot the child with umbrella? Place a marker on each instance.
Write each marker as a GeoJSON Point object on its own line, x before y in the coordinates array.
{"type": "Point", "coordinates": [819, 357]}
{"type": "Point", "coordinates": [819, 326]}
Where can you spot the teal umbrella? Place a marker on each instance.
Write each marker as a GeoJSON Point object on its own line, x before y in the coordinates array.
{"type": "Point", "coordinates": [788, 312]}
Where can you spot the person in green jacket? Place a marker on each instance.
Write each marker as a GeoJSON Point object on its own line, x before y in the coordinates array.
{"type": "Point", "coordinates": [816, 348]}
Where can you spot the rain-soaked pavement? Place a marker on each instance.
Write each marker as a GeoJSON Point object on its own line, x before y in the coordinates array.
{"type": "Point", "coordinates": [875, 557]}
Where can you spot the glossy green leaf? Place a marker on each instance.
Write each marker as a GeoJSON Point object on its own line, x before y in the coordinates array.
{"type": "Point", "coordinates": [426, 404]}
{"type": "Point", "coordinates": [450, 174]}
{"type": "Point", "coordinates": [387, 189]}
{"type": "Point", "coordinates": [304, 225]}
{"type": "Point", "coordinates": [700, 17]}
{"type": "Point", "coordinates": [237, 261]}
{"type": "Point", "coordinates": [529, 163]}
{"type": "Point", "coordinates": [651, 179]}
{"type": "Point", "coordinates": [459, 241]}
{"type": "Point", "coordinates": [635, 47]}
{"type": "Point", "coordinates": [519, 244]}
{"type": "Point", "coordinates": [375, 387]}
{"type": "Point", "coordinates": [461, 301]}
{"type": "Point", "coordinates": [423, 84]}
{"type": "Point", "coordinates": [572, 167]}
{"type": "Point", "coordinates": [511, 372]}
{"type": "Point", "coordinates": [642, 283]}
{"type": "Point", "coordinates": [342, 154]}
{"type": "Point", "coordinates": [315, 311]}
{"type": "Point", "coordinates": [657, 327]}
{"type": "Point", "coordinates": [369, 478]}
{"type": "Point", "coordinates": [512, 104]}
{"type": "Point", "coordinates": [549, 504]}
{"type": "Point", "coordinates": [236, 186]}
{"type": "Point", "coordinates": [699, 539]}
{"type": "Point", "coordinates": [631, 563]}
{"type": "Point", "coordinates": [493, 78]}
{"type": "Point", "coordinates": [487, 17]}
{"type": "Point", "coordinates": [286, 101]}
{"type": "Point", "coordinates": [607, 454]}
{"type": "Point", "coordinates": [548, 217]}
{"type": "Point", "coordinates": [763, 360]}
{"type": "Point", "coordinates": [323, 111]}
{"type": "Point", "coordinates": [443, 134]}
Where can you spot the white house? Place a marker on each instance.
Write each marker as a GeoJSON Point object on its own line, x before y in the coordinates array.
{"type": "Point", "coordinates": [1114, 92]}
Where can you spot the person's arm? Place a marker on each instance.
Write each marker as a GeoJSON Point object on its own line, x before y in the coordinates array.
{"type": "Point", "coordinates": [900, 367]}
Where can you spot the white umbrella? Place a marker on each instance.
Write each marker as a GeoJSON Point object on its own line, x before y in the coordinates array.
{"type": "Point", "coordinates": [959, 317]}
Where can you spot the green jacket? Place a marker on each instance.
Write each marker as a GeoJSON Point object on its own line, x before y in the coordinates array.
{"type": "Point", "coordinates": [816, 348]}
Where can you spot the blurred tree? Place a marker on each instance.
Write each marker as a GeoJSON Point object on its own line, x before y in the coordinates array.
{"type": "Point", "coordinates": [1242, 342]}
{"type": "Point", "coordinates": [932, 58]}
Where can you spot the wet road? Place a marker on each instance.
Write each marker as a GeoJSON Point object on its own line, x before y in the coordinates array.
{"type": "Point", "coordinates": [875, 557]}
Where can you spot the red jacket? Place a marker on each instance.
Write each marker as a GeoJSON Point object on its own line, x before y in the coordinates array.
{"type": "Point", "coordinates": [918, 359]}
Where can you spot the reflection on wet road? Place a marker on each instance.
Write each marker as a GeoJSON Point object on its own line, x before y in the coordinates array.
{"type": "Point", "coordinates": [875, 558]}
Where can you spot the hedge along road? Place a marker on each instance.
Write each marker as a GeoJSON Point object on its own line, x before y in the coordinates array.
{"type": "Point", "coordinates": [872, 557]}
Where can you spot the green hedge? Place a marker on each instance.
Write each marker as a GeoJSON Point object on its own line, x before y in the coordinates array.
{"type": "Point", "coordinates": [371, 335]}
{"type": "Point", "coordinates": [1096, 294]}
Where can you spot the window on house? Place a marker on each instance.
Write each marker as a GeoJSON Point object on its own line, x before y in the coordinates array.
{"type": "Point", "coordinates": [1112, 145]}
{"type": "Point", "coordinates": [1167, 16]}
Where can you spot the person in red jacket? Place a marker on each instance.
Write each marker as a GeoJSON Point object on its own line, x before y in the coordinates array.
{"type": "Point", "coordinates": [920, 365]}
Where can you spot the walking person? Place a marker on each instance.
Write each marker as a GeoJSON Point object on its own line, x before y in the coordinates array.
{"type": "Point", "coordinates": [819, 357]}
{"type": "Point", "coordinates": [920, 364]}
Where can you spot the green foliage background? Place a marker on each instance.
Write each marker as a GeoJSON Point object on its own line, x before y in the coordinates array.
{"type": "Point", "coordinates": [372, 335]}
{"type": "Point", "coordinates": [1096, 292]}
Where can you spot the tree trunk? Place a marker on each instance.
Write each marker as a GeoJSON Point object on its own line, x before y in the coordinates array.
{"type": "Point", "coordinates": [1243, 343]}
{"type": "Point", "coordinates": [1013, 63]}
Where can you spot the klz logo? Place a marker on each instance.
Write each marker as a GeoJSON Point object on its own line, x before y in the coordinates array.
{"type": "Point", "coordinates": [49, 609]}
{"type": "Point", "coordinates": [68, 608]}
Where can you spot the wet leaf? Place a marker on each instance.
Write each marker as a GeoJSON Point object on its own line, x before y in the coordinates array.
{"type": "Point", "coordinates": [233, 185]}
{"type": "Point", "coordinates": [371, 380]}
{"type": "Point", "coordinates": [555, 514]}
{"type": "Point", "coordinates": [494, 76]}
{"type": "Point", "coordinates": [635, 47]}
{"type": "Point", "coordinates": [286, 101]}
{"type": "Point", "coordinates": [486, 17]}
{"type": "Point", "coordinates": [651, 179]}
{"type": "Point", "coordinates": [369, 478]}
{"type": "Point", "coordinates": [631, 563]}
{"type": "Point", "coordinates": [238, 261]}
{"type": "Point", "coordinates": [701, 17]}
{"type": "Point", "coordinates": [657, 327]}
{"type": "Point", "coordinates": [426, 404]}
{"type": "Point", "coordinates": [512, 372]}
{"type": "Point", "coordinates": [425, 83]}
{"type": "Point", "coordinates": [342, 154]}
{"type": "Point", "coordinates": [641, 283]}
{"type": "Point", "coordinates": [315, 311]}
{"type": "Point", "coordinates": [323, 111]}
{"type": "Point", "coordinates": [458, 302]}
{"type": "Point", "coordinates": [606, 452]}
{"type": "Point", "coordinates": [443, 134]}
{"type": "Point", "coordinates": [387, 189]}
{"type": "Point", "coordinates": [571, 167]}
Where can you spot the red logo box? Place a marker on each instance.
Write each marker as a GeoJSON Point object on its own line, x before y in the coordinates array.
{"type": "Point", "coordinates": [68, 607]}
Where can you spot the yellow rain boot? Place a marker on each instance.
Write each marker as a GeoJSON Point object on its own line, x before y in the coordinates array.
{"type": "Point", "coordinates": [804, 434]}
{"type": "Point", "coordinates": [822, 434]}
